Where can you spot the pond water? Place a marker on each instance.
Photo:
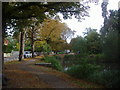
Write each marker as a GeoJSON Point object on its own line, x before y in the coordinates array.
{"type": "Point", "coordinates": [66, 68]}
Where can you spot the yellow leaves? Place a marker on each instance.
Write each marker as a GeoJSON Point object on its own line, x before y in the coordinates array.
{"type": "Point", "coordinates": [39, 43]}
{"type": "Point", "coordinates": [52, 29]}
{"type": "Point", "coordinates": [12, 3]}
{"type": "Point", "coordinates": [17, 45]}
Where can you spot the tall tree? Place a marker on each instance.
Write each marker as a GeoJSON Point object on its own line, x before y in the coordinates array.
{"type": "Point", "coordinates": [93, 41]}
{"type": "Point", "coordinates": [13, 11]}
{"type": "Point", "coordinates": [52, 30]}
{"type": "Point", "coordinates": [79, 44]}
{"type": "Point", "coordinates": [32, 32]}
{"type": "Point", "coordinates": [104, 15]}
{"type": "Point", "coordinates": [111, 37]}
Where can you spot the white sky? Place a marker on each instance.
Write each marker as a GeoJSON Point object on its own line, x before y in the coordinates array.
{"type": "Point", "coordinates": [94, 21]}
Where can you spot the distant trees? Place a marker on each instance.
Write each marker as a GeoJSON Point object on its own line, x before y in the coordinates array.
{"type": "Point", "coordinates": [89, 44]}
{"type": "Point", "coordinates": [79, 44]}
{"type": "Point", "coordinates": [106, 42]}
{"type": "Point", "coordinates": [93, 41]}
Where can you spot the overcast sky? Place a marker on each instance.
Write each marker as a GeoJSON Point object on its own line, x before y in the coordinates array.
{"type": "Point", "coordinates": [95, 20]}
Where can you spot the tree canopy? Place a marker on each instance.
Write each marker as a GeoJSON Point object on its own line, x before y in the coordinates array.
{"type": "Point", "coordinates": [16, 15]}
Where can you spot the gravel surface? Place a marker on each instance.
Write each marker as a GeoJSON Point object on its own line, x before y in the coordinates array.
{"type": "Point", "coordinates": [49, 79]}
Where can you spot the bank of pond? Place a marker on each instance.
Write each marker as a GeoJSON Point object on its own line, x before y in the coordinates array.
{"type": "Point", "coordinates": [93, 68]}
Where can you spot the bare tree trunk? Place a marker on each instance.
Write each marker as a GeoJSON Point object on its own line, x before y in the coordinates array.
{"type": "Point", "coordinates": [32, 48]}
{"type": "Point", "coordinates": [3, 38]}
{"type": "Point", "coordinates": [32, 42]}
{"type": "Point", "coordinates": [21, 51]}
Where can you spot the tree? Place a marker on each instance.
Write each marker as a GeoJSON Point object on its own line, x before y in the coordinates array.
{"type": "Point", "coordinates": [93, 41]}
{"type": "Point", "coordinates": [32, 33]}
{"type": "Point", "coordinates": [21, 28]}
{"type": "Point", "coordinates": [13, 11]}
{"type": "Point", "coordinates": [53, 31]}
{"type": "Point", "coordinates": [79, 44]}
{"type": "Point", "coordinates": [67, 34]}
{"type": "Point", "coordinates": [104, 15]}
{"type": "Point", "coordinates": [43, 47]}
{"type": "Point", "coordinates": [17, 10]}
{"type": "Point", "coordinates": [11, 45]}
{"type": "Point", "coordinates": [39, 46]}
{"type": "Point", "coordinates": [110, 38]}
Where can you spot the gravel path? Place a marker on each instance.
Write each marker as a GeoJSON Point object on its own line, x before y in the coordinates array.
{"type": "Point", "coordinates": [49, 79]}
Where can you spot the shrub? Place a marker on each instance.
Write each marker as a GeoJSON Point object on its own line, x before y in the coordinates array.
{"type": "Point", "coordinates": [61, 53]}
{"type": "Point", "coordinates": [74, 59]}
{"type": "Point", "coordinates": [96, 58]}
{"type": "Point", "coordinates": [83, 70]}
{"type": "Point", "coordinates": [110, 79]}
{"type": "Point", "coordinates": [68, 57]}
{"type": "Point", "coordinates": [54, 62]}
{"type": "Point", "coordinates": [57, 57]}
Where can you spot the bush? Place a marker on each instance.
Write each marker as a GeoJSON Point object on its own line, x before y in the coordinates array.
{"type": "Point", "coordinates": [82, 71]}
{"type": "Point", "coordinates": [96, 58]}
{"type": "Point", "coordinates": [74, 59]}
{"type": "Point", "coordinates": [61, 53]}
{"type": "Point", "coordinates": [110, 79]}
{"type": "Point", "coordinates": [68, 57]}
{"type": "Point", "coordinates": [57, 57]}
{"type": "Point", "coordinates": [55, 63]}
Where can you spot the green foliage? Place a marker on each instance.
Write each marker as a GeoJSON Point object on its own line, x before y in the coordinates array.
{"type": "Point", "coordinates": [61, 52]}
{"type": "Point", "coordinates": [110, 48]}
{"type": "Point", "coordinates": [7, 49]}
{"type": "Point", "coordinates": [110, 37]}
{"type": "Point", "coordinates": [46, 47]}
{"type": "Point", "coordinates": [83, 70]}
{"type": "Point", "coordinates": [27, 48]}
{"type": "Point", "coordinates": [57, 57]}
{"type": "Point", "coordinates": [70, 60]}
{"type": "Point", "coordinates": [110, 79]}
{"type": "Point", "coordinates": [79, 65]}
{"type": "Point", "coordinates": [96, 58]}
{"type": "Point", "coordinates": [93, 68]}
{"type": "Point", "coordinates": [79, 44]}
{"type": "Point", "coordinates": [55, 63]}
{"type": "Point", "coordinates": [11, 45]}
{"type": "Point", "coordinates": [89, 44]}
{"type": "Point", "coordinates": [99, 56]}
{"type": "Point", "coordinates": [93, 41]}
{"type": "Point", "coordinates": [38, 49]}
{"type": "Point", "coordinates": [68, 57]}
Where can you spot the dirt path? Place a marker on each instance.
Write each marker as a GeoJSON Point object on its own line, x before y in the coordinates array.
{"type": "Point", "coordinates": [26, 74]}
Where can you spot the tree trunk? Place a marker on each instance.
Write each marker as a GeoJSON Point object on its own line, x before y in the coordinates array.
{"type": "Point", "coordinates": [32, 49]}
{"type": "Point", "coordinates": [3, 37]}
{"type": "Point", "coordinates": [32, 42]}
{"type": "Point", "coordinates": [21, 51]}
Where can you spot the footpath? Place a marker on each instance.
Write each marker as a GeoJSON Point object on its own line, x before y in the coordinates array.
{"type": "Point", "coordinates": [26, 74]}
